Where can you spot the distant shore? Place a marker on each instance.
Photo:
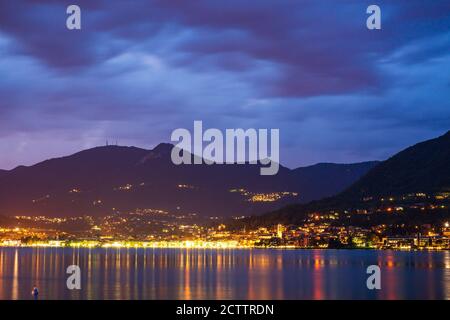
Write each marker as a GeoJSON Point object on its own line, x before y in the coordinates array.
{"type": "Point", "coordinates": [212, 247]}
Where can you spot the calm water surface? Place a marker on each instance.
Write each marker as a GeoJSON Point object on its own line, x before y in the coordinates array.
{"type": "Point", "coordinates": [222, 274]}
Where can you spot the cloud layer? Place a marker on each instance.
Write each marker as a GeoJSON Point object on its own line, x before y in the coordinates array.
{"type": "Point", "coordinates": [139, 69]}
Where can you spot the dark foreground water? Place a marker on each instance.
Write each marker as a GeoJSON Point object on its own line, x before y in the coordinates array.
{"type": "Point", "coordinates": [222, 274]}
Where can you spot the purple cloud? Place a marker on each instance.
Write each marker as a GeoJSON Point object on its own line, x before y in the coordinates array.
{"type": "Point", "coordinates": [139, 69]}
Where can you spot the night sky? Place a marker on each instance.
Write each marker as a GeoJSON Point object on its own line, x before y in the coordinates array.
{"type": "Point", "coordinates": [137, 70]}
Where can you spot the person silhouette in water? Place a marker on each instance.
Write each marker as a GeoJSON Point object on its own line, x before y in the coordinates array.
{"type": "Point", "coordinates": [35, 292]}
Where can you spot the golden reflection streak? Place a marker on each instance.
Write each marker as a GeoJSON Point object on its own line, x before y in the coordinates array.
{"type": "Point", "coordinates": [90, 270]}
{"type": "Point", "coordinates": [117, 290]}
{"type": "Point", "coordinates": [187, 294]}
{"type": "Point", "coordinates": [446, 279]}
{"type": "Point", "coordinates": [279, 275]}
{"type": "Point", "coordinates": [135, 278]}
{"type": "Point", "coordinates": [251, 286]}
{"type": "Point", "coordinates": [37, 270]}
{"type": "Point", "coordinates": [318, 278]}
{"type": "Point", "coordinates": [220, 290]}
{"type": "Point", "coordinates": [15, 284]}
{"type": "Point", "coordinates": [258, 276]}
{"type": "Point", "coordinates": [2, 266]}
{"type": "Point", "coordinates": [389, 276]}
{"type": "Point", "coordinates": [106, 272]}
{"type": "Point", "coordinates": [265, 273]}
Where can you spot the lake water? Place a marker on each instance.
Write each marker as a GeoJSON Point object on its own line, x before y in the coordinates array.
{"type": "Point", "coordinates": [222, 274]}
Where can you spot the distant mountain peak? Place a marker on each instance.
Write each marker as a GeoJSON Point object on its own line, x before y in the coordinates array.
{"type": "Point", "coordinates": [163, 148]}
{"type": "Point", "coordinates": [108, 148]}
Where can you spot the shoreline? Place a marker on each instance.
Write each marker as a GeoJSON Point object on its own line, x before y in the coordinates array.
{"type": "Point", "coordinates": [287, 248]}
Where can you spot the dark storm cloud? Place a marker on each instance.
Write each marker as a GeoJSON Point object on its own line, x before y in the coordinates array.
{"type": "Point", "coordinates": [324, 43]}
{"type": "Point", "coordinates": [139, 69]}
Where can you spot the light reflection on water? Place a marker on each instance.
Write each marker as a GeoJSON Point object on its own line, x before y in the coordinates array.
{"type": "Point", "coordinates": [222, 274]}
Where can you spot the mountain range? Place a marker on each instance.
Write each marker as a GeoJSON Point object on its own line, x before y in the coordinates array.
{"type": "Point", "coordinates": [423, 168]}
{"type": "Point", "coordinates": [109, 179]}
